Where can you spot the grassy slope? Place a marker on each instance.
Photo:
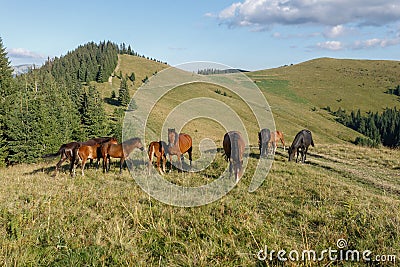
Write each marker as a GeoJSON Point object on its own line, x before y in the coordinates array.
{"type": "Point", "coordinates": [343, 192]}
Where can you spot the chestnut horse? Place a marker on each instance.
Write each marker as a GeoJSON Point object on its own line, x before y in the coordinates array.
{"type": "Point", "coordinates": [92, 152]}
{"type": "Point", "coordinates": [157, 149]}
{"type": "Point", "coordinates": [234, 149]}
{"type": "Point", "coordinates": [178, 144]}
{"type": "Point", "coordinates": [275, 138]}
{"type": "Point", "coordinates": [70, 152]}
{"type": "Point", "coordinates": [121, 151]}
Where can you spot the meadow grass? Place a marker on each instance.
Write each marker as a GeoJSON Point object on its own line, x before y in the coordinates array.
{"type": "Point", "coordinates": [107, 220]}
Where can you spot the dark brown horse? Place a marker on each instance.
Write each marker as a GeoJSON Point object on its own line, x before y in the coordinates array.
{"type": "Point", "coordinates": [157, 149]}
{"type": "Point", "coordinates": [300, 144]}
{"type": "Point", "coordinates": [264, 136]}
{"type": "Point", "coordinates": [92, 152]}
{"type": "Point", "coordinates": [234, 149]}
{"type": "Point", "coordinates": [275, 138]}
{"type": "Point", "coordinates": [178, 144]}
{"type": "Point", "coordinates": [121, 151]}
{"type": "Point", "coordinates": [70, 152]}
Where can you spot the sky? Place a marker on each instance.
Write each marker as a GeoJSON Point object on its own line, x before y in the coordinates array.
{"type": "Point", "coordinates": [245, 34]}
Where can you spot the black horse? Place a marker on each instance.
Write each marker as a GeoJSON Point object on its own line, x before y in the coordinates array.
{"type": "Point", "coordinates": [263, 139]}
{"type": "Point", "coordinates": [300, 144]}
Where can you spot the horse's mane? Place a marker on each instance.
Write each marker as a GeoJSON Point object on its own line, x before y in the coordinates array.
{"type": "Point", "coordinates": [131, 140]}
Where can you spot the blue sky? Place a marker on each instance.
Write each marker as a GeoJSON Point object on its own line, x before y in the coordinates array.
{"type": "Point", "coordinates": [247, 34]}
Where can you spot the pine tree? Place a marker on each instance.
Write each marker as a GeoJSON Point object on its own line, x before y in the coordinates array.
{"type": "Point", "coordinates": [123, 93]}
{"type": "Point", "coordinates": [5, 90]}
{"type": "Point", "coordinates": [93, 114]}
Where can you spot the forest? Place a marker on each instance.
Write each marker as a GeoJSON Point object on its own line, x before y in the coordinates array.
{"type": "Point", "coordinates": [378, 128]}
{"type": "Point", "coordinates": [58, 102]}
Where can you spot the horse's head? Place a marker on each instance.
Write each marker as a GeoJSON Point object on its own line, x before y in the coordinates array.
{"type": "Point", "coordinates": [172, 136]}
{"type": "Point", "coordinates": [291, 152]}
{"type": "Point", "coordinates": [138, 144]}
{"type": "Point", "coordinates": [113, 141]}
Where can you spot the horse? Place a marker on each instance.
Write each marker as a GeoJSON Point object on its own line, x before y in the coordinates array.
{"type": "Point", "coordinates": [275, 138]}
{"type": "Point", "coordinates": [264, 137]}
{"type": "Point", "coordinates": [157, 149]}
{"type": "Point", "coordinates": [178, 144]}
{"type": "Point", "coordinates": [69, 152]}
{"type": "Point", "coordinates": [300, 144]}
{"type": "Point", "coordinates": [234, 149]}
{"type": "Point", "coordinates": [121, 151]}
{"type": "Point", "coordinates": [92, 152]}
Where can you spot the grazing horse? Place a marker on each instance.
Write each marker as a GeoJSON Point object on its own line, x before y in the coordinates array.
{"type": "Point", "coordinates": [70, 152]}
{"type": "Point", "coordinates": [92, 152]}
{"type": "Point", "coordinates": [263, 139]}
{"type": "Point", "coordinates": [300, 144]}
{"type": "Point", "coordinates": [178, 144]}
{"type": "Point", "coordinates": [275, 138]}
{"type": "Point", "coordinates": [234, 149]}
{"type": "Point", "coordinates": [121, 151]}
{"type": "Point", "coordinates": [157, 149]}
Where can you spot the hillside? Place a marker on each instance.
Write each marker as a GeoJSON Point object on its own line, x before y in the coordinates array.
{"type": "Point", "coordinates": [344, 83]}
{"type": "Point", "coordinates": [127, 64]}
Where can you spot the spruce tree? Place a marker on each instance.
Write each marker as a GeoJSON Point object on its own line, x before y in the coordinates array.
{"type": "Point", "coordinates": [93, 115]}
{"type": "Point", "coordinates": [123, 93]}
{"type": "Point", "coordinates": [5, 90]}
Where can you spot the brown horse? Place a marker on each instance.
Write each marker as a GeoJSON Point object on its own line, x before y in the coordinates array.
{"type": "Point", "coordinates": [157, 149]}
{"type": "Point", "coordinates": [70, 152]}
{"type": "Point", "coordinates": [234, 149]}
{"type": "Point", "coordinates": [275, 138]}
{"type": "Point", "coordinates": [121, 151]}
{"type": "Point", "coordinates": [92, 152]}
{"type": "Point", "coordinates": [178, 144]}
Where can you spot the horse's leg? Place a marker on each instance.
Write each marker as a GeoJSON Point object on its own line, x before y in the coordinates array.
{"type": "Point", "coordinates": [297, 154]}
{"type": "Point", "coordinates": [283, 143]}
{"type": "Point", "coordinates": [83, 165]}
{"type": "Point", "coordinates": [302, 155]}
{"type": "Point", "coordinates": [104, 163]}
{"type": "Point", "coordinates": [170, 162]}
{"type": "Point", "coordinates": [190, 155]}
{"type": "Point", "coordinates": [305, 154]}
{"type": "Point", "coordinates": [60, 162]}
{"type": "Point", "coordinates": [159, 164]}
{"type": "Point", "coordinates": [164, 161]}
{"type": "Point", "coordinates": [121, 164]}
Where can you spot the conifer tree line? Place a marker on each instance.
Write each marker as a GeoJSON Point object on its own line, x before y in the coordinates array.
{"type": "Point", "coordinates": [379, 128]}
{"type": "Point", "coordinates": [127, 50]}
{"type": "Point", "coordinates": [56, 104]}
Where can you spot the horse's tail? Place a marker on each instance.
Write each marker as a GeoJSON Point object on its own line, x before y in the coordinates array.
{"type": "Point", "coordinates": [312, 142]}
{"type": "Point", "coordinates": [235, 148]}
{"type": "Point", "coordinates": [52, 155]}
{"type": "Point", "coordinates": [150, 152]}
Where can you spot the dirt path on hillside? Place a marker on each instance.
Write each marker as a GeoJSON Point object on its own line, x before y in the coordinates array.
{"type": "Point", "coordinates": [363, 171]}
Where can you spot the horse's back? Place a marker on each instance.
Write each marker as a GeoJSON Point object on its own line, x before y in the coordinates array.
{"type": "Point", "coordinates": [229, 138]}
{"type": "Point", "coordinates": [264, 136]}
{"type": "Point", "coordinates": [185, 142]}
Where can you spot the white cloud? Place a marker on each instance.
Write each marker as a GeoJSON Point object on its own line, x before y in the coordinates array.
{"type": "Point", "coordinates": [322, 12]}
{"type": "Point", "coordinates": [23, 53]}
{"type": "Point", "coordinates": [376, 42]}
{"type": "Point", "coordinates": [331, 45]}
{"type": "Point", "coordinates": [335, 31]}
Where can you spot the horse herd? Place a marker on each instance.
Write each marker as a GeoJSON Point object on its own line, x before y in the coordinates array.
{"type": "Point", "coordinates": [178, 144]}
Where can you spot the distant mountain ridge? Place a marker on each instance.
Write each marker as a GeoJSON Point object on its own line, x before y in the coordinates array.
{"type": "Point", "coordinates": [24, 68]}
